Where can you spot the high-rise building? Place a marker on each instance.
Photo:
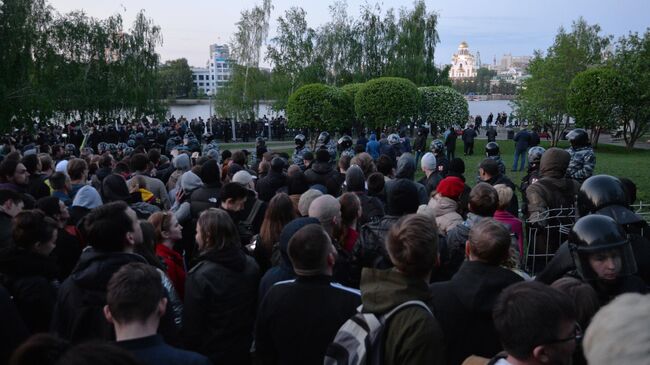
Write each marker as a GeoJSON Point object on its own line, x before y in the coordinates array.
{"type": "Point", "coordinates": [210, 79]}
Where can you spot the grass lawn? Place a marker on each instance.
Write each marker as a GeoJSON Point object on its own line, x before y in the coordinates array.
{"type": "Point", "coordinates": [611, 160]}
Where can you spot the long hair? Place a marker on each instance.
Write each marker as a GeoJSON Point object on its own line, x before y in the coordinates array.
{"type": "Point", "coordinates": [217, 230]}
{"type": "Point", "coordinates": [279, 212]}
{"type": "Point", "coordinates": [350, 205]}
{"type": "Point", "coordinates": [161, 222]}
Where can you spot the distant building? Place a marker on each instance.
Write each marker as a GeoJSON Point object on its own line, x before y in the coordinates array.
{"type": "Point", "coordinates": [463, 64]}
{"type": "Point", "coordinates": [208, 80]}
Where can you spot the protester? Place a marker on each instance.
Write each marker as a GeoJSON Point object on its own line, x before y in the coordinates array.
{"type": "Point", "coordinates": [278, 214]}
{"type": "Point", "coordinates": [11, 203]}
{"type": "Point", "coordinates": [167, 231]}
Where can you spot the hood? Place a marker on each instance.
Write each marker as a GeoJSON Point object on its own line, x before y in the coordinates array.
{"type": "Point", "coordinates": [87, 197]}
{"type": "Point", "coordinates": [231, 257]}
{"type": "Point", "coordinates": [382, 290]}
{"type": "Point", "coordinates": [373, 137]}
{"type": "Point", "coordinates": [182, 162]}
{"type": "Point", "coordinates": [481, 285]}
{"type": "Point", "coordinates": [102, 172]}
{"type": "Point", "coordinates": [322, 168]}
{"type": "Point", "coordinates": [405, 166]}
{"type": "Point", "coordinates": [554, 163]}
{"type": "Point", "coordinates": [95, 268]}
{"type": "Point", "coordinates": [19, 262]}
{"type": "Point", "coordinates": [354, 179]}
{"type": "Point", "coordinates": [190, 182]}
{"type": "Point", "coordinates": [442, 205]}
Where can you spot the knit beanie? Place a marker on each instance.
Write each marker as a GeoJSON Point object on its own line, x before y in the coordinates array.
{"type": "Point", "coordinates": [354, 179]}
{"type": "Point", "coordinates": [451, 187]}
{"type": "Point", "coordinates": [429, 161]}
{"type": "Point", "coordinates": [402, 198]}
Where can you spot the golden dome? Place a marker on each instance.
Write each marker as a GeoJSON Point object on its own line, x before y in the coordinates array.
{"type": "Point", "coordinates": [463, 44]}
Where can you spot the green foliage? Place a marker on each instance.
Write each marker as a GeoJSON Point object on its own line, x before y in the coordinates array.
{"type": "Point", "coordinates": [386, 101]}
{"type": "Point", "coordinates": [319, 107]}
{"type": "Point", "coordinates": [176, 79]}
{"type": "Point", "coordinates": [241, 95]}
{"type": "Point", "coordinates": [593, 96]}
{"type": "Point", "coordinates": [478, 85]}
{"type": "Point", "coordinates": [442, 106]}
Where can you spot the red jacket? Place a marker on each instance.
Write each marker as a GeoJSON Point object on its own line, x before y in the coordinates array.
{"type": "Point", "coordinates": [175, 267]}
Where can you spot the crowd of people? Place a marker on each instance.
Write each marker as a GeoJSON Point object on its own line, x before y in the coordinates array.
{"type": "Point", "coordinates": [166, 250]}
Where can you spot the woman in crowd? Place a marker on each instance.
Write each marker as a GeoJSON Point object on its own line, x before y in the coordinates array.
{"type": "Point", "coordinates": [167, 233]}
{"type": "Point", "coordinates": [504, 216]}
{"type": "Point", "coordinates": [350, 213]}
{"type": "Point", "coordinates": [279, 212]}
{"type": "Point", "coordinates": [220, 293]}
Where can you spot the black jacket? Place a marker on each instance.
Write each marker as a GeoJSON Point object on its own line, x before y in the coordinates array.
{"type": "Point", "coordinates": [370, 251]}
{"type": "Point", "coordinates": [372, 209]}
{"type": "Point", "coordinates": [292, 310]}
{"type": "Point", "coordinates": [12, 331]}
{"type": "Point", "coordinates": [324, 174]}
{"type": "Point", "coordinates": [268, 185]}
{"type": "Point", "coordinates": [6, 238]}
{"type": "Point", "coordinates": [204, 198]}
{"type": "Point", "coordinates": [78, 314]}
{"type": "Point", "coordinates": [431, 183]}
{"type": "Point", "coordinates": [463, 306]}
{"type": "Point", "coordinates": [220, 303]}
{"type": "Point", "coordinates": [31, 279]}
{"type": "Point", "coordinates": [66, 253]}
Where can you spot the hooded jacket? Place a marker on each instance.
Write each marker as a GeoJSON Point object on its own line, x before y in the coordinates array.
{"type": "Point", "coordinates": [269, 185]}
{"type": "Point", "coordinates": [372, 208]}
{"type": "Point", "coordinates": [372, 147]}
{"type": "Point", "coordinates": [463, 306]}
{"type": "Point", "coordinates": [415, 336]}
{"type": "Point", "coordinates": [324, 174]}
{"type": "Point", "coordinates": [446, 211]}
{"type": "Point", "coordinates": [220, 304]}
{"type": "Point", "coordinates": [31, 280]}
{"type": "Point", "coordinates": [406, 172]}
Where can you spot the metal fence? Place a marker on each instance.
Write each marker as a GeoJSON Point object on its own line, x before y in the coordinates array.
{"type": "Point", "coordinates": [545, 233]}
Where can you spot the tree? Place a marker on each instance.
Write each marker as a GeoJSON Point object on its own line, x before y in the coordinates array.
{"type": "Point", "coordinates": [386, 102]}
{"type": "Point", "coordinates": [632, 62]}
{"type": "Point", "coordinates": [542, 99]}
{"type": "Point", "coordinates": [176, 78]}
{"type": "Point", "coordinates": [592, 98]}
{"type": "Point", "coordinates": [442, 107]}
{"type": "Point", "coordinates": [319, 107]}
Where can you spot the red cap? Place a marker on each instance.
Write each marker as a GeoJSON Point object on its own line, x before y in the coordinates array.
{"type": "Point", "coordinates": [451, 187]}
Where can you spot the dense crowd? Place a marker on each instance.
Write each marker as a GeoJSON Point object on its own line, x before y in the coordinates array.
{"type": "Point", "coordinates": [147, 243]}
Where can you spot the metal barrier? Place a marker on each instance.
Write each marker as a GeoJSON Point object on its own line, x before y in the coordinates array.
{"type": "Point", "coordinates": [545, 233]}
{"type": "Point", "coordinates": [642, 209]}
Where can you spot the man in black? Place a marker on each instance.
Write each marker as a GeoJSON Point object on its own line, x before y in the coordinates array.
{"type": "Point", "coordinates": [291, 310]}
{"type": "Point", "coordinates": [469, 134]}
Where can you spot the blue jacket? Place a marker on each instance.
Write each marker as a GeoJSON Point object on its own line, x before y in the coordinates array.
{"type": "Point", "coordinates": [372, 147]}
{"type": "Point", "coordinates": [522, 140]}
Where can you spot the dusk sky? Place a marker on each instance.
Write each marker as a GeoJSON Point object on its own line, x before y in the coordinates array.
{"type": "Point", "coordinates": [491, 27]}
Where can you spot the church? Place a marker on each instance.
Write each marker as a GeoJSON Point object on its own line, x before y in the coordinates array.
{"type": "Point", "coordinates": [463, 63]}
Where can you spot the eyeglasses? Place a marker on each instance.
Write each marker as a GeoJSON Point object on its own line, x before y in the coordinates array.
{"type": "Point", "coordinates": [577, 336]}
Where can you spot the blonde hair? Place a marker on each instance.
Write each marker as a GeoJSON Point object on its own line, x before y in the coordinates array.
{"type": "Point", "coordinates": [505, 196]}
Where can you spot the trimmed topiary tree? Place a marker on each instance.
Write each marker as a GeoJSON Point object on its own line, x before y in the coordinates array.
{"type": "Point", "coordinates": [319, 107]}
{"type": "Point", "coordinates": [386, 101]}
{"type": "Point", "coordinates": [442, 107]}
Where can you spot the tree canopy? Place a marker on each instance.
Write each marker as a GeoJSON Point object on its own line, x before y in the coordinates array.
{"type": "Point", "coordinates": [386, 101]}
{"type": "Point", "coordinates": [319, 107]}
{"type": "Point", "coordinates": [443, 107]}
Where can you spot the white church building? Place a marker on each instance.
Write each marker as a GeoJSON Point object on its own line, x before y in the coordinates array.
{"type": "Point", "coordinates": [463, 63]}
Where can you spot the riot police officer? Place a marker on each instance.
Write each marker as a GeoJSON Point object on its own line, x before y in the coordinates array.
{"type": "Point", "coordinates": [493, 152]}
{"type": "Point", "coordinates": [326, 142]}
{"type": "Point", "coordinates": [300, 151]}
{"type": "Point", "coordinates": [345, 146]}
{"type": "Point", "coordinates": [442, 164]}
{"type": "Point", "coordinates": [603, 257]}
{"type": "Point", "coordinates": [532, 175]}
{"type": "Point", "coordinates": [583, 159]}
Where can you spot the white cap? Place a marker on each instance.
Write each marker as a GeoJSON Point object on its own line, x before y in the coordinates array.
{"type": "Point", "coordinates": [243, 177]}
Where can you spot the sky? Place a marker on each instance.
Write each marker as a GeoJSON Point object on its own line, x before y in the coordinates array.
{"type": "Point", "coordinates": [493, 28]}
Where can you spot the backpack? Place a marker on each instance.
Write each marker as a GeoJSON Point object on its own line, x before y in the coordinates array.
{"type": "Point", "coordinates": [245, 227]}
{"type": "Point", "coordinates": [361, 338]}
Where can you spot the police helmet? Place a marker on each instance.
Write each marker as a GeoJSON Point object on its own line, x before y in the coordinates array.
{"type": "Point", "coordinates": [595, 238]}
{"type": "Point", "coordinates": [128, 151]}
{"type": "Point", "coordinates": [535, 154]}
{"type": "Point", "coordinates": [112, 147]}
{"type": "Point", "coordinates": [344, 143]}
{"type": "Point", "coordinates": [300, 140]}
{"type": "Point", "coordinates": [437, 146]}
{"type": "Point", "coordinates": [260, 141]}
{"type": "Point", "coordinates": [102, 147]}
{"type": "Point", "coordinates": [323, 137]}
{"type": "Point", "coordinates": [393, 139]}
{"type": "Point", "coordinates": [600, 191]}
{"type": "Point", "coordinates": [130, 143]}
{"type": "Point", "coordinates": [578, 138]}
{"type": "Point", "coordinates": [121, 146]}
{"type": "Point", "coordinates": [70, 148]}
{"type": "Point", "coordinates": [87, 151]}
{"type": "Point", "coordinates": [492, 149]}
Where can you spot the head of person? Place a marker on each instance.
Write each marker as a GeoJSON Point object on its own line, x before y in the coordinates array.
{"type": "Point", "coordinates": [13, 171]}
{"type": "Point", "coordinates": [412, 245]}
{"type": "Point", "coordinates": [323, 156]}
{"type": "Point", "coordinates": [245, 179]}
{"type": "Point", "coordinates": [536, 324]}
{"type": "Point", "coordinates": [600, 249]}
{"type": "Point", "coordinates": [215, 230]}
{"type": "Point", "coordinates": [489, 242]}
{"type": "Point", "coordinates": [11, 202]}
{"type": "Point", "coordinates": [46, 162]}
{"type": "Point", "coordinates": [365, 162]}
{"type": "Point", "coordinates": [428, 163]}
{"type": "Point", "coordinates": [350, 208]}
{"type": "Point", "coordinates": [354, 179]}
{"type": "Point", "coordinates": [233, 197]}
{"type": "Point", "coordinates": [41, 349]}
{"type": "Point", "coordinates": [54, 208]}
{"type": "Point", "coordinates": [210, 173]}
{"type": "Point", "coordinates": [505, 196]}
{"type": "Point", "coordinates": [60, 181]}
{"type": "Point", "coordinates": [114, 188]}
{"type": "Point", "coordinates": [279, 212]}
{"type": "Point", "coordinates": [139, 162]}
{"type": "Point", "coordinates": [584, 296]}
{"type": "Point", "coordinates": [488, 169]}
{"type": "Point", "coordinates": [483, 200]}
{"type": "Point", "coordinates": [166, 227]}
{"type": "Point", "coordinates": [135, 295]}
{"type": "Point", "coordinates": [554, 163]}
{"type": "Point", "coordinates": [311, 251]}
{"type": "Point", "coordinates": [33, 231]}
{"type": "Point", "coordinates": [113, 227]}
{"type": "Point", "coordinates": [456, 167]}
{"type": "Point", "coordinates": [78, 169]}
{"type": "Point", "coordinates": [402, 198]}
{"type": "Point", "coordinates": [376, 183]}
{"type": "Point", "coordinates": [239, 157]}
{"type": "Point", "coordinates": [327, 210]}
{"type": "Point", "coordinates": [32, 164]}
{"type": "Point", "coordinates": [602, 192]}
{"type": "Point", "coordinates": [307, 158]}
{"type": "Point", "coordinates": [385, 165]}
{"type": "Point", "coordinates": [451, 187]}
{"type": "Point", "coordinates": [306, 199]}
{"type": "Point", "coordinates": [618, 333]}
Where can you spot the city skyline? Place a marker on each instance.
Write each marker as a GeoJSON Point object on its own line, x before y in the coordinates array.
{"type": "Point", "coordinates": [493, 29]}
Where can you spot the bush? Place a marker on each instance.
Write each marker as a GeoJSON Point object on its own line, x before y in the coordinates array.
{"type": "Point", "coordinates": [442, 106]}
{"type": "Point", "coordinates": [386, 101]}
{"type": "Point", "coordinates": [319, 107]}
